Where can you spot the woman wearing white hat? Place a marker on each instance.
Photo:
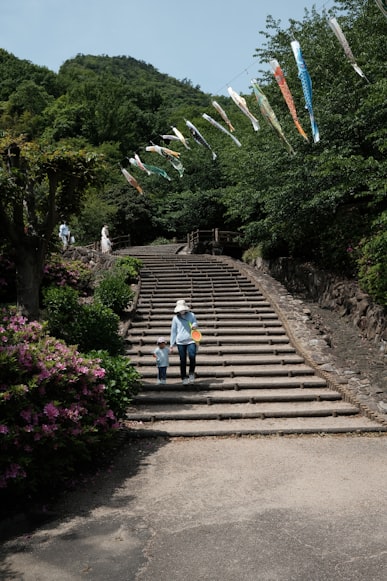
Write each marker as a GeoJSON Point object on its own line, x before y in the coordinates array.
{"type": "Point", "coordinates": [183, 322]}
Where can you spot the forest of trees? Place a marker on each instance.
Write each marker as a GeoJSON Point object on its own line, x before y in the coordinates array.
{"type": "Point", "coordinates": [65, 138]}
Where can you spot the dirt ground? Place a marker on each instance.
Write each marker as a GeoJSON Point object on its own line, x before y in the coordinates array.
{"type": "Point", "coordinates": [351, 351]}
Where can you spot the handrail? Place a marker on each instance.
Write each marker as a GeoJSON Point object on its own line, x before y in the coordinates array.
{"type": "Point", "coordinates": [214, 237]}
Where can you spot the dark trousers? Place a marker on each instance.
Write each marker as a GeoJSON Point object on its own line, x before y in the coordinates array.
{"type": "Point", "coordinates": [185, 350]}
{"type": "Point", "coordinates": [162, 372]}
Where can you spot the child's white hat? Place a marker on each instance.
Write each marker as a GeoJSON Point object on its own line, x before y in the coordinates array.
{"type": "Point", "coordinates": [161, 340]}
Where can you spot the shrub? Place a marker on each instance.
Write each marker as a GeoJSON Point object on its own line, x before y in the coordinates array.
{"type": "Point", "coordinates": [89, 326]}
{"type": "Point", "coordinates": [114, 292]}
{"type": "Point", "coordinates": [54, 413]}
{"type": "Point", "coordinates": [372, 262]}
{"type": "Point", "coordinates": [97, 327]}
{"type": "Point", "coordinates": [62, 311]}
{"type": "Point", "coordinates": [129, 268]}
{"type": "Point", "coordinates": [74, 273]}
{"type": "Point", "coordinates": [122, 381]}
{"type": "Point", "coordinates": [251, 254]}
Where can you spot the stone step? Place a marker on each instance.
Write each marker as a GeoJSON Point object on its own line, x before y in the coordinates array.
{"type": "Point", "coordinates": [227, 382]}
{"type": "Point", "coordinates": [187, 395]}
{"type": "Point", "coordinates": [224, 359]}
{"type": "Point", "coordinates": [220, 332]}
{"type": "Point", "coordinates": [254, 349]}
{"type": "Point", "coordinates": [164, 315]}
{"type": "Point", "coordinates": [141, 340]}
{"type": "Point", "coordinates": [242, 371]}
{"type": "Point", "coordinates": [218, 326]}
{"type": "Point", "coordinates": [255, 426]}
{"type": "Point", "coordinates": [219, 411]}
{"type": "Point", "coordinates": [250, 379]}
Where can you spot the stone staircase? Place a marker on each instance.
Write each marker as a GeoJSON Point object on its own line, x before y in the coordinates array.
{"type": "Point", "coordinates": [250, 379]}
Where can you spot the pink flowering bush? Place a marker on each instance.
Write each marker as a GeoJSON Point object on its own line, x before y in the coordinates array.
{"type": "Point", "coordinates": [57, 272]}
{"type": "Point", "coordinates": [74, 273]}
{"type": "Point", "coordinates": [54, 415]}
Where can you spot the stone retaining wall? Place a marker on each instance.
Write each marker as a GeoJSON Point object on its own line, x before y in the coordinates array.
{"type": "Point", "coordinates": [98, 261]}
{"type": "Point", "coordinates": [331, 292]}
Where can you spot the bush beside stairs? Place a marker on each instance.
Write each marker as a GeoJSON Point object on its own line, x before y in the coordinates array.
{"type": "Point", "coordinates": [250, 379]}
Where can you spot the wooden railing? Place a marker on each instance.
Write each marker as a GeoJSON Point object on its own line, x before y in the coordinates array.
{"type": "Point", "coordinates": [118, 242]}
{"type": "Point", "coordinates": [215, 239]}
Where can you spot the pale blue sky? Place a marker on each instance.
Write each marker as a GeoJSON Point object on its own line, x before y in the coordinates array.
{"type": "Point", "coordinates": [209, 42]}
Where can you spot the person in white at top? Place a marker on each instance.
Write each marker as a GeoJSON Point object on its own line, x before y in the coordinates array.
{"type": "Point", "coordinates": [106, 245]}
{"type": "Point", "coordinates": [64, 234]}
{"type": "Point", "coordinates": [183, 322]}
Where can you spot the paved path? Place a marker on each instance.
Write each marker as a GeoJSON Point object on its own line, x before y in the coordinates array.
{"type": "Point", "coordinates": [307, 508]}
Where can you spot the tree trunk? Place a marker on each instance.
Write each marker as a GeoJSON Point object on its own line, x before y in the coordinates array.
{"type": "Point", "coordinates": [29, 273]}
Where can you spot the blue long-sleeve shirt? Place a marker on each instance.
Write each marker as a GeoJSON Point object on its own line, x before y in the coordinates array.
{"type": "Point", "coordinates": [181, 329]}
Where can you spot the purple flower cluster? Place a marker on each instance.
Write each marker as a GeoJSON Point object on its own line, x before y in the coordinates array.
{"type": "Point", "coordinates": [51, 398]}
{"type": "Point", "coordinates": [60, 272]}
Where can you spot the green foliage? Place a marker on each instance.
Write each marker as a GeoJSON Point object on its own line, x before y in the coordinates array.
{"type": "Point", "coordinates": [113, 292]}
{"type": "Point", "coordinates": [89, 326]}
{"type": "Point", "coordinates": [122, 381]}
{"type": "Point", "coordinates": [160, 241]}
{"type": "Point", "coordinates": [372, 261]}
{"type": "Point", "coordinates": [251, 254]}
{"type": "Point", "coordinates": [95, 212]}
{"type": "Point", "coordinates": [98, 328]}
{"type": "Point", "coordinates": [128, 267]}
{"type": "Point", "coordinates": [62, 312]}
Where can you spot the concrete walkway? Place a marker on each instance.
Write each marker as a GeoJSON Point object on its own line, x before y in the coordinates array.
{"type": "Point", "coordinates": [307, 508]}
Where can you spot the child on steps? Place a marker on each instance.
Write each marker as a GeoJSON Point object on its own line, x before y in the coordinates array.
{"type": "Point", "coordinates": [161, 354]}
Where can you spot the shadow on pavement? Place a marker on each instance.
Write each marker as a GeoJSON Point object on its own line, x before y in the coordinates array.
{"type": "Point", "coordinates": [90, 492]}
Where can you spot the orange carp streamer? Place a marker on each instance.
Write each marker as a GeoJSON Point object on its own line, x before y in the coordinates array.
{"type": "Point", "coordinates": [281, 81]}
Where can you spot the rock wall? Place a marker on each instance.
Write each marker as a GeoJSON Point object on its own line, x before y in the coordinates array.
{"type": "Point", "coordinates": [98, 261]}
{"type": "Point", "coordinates": [331, 292]}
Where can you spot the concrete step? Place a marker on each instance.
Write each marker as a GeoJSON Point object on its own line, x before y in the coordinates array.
{"type": "Point", "coordinates": [214, 350]}
{"type": "Point", "coordinates": [227, 382]}
{"type": "Point", "coordinates": [188, 395]}
{"type": "Point", "coordinates": [215, 326]}
{"type": "Point", "coordinates": [224, 359]}
{"type": "Point", "coordinates": [255, 426]}
{"type": "Point", "coordinates": [234, 371]}
{"type": "Point", "coordinates": [151, 339]}
{"type": "Point", "coordinates": [220, 332]}
{"type": "Point", "coordinates": [250, 379]}
{"type": "Point", "coordinates": [224, 411]}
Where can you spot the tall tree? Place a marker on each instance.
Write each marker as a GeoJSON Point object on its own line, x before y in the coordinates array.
{"type": "Point", "coordinates": [39, 186]}
{"type": "Point", "coordinates": [324, 198]}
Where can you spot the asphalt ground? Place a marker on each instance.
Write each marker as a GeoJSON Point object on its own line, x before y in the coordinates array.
{"type": "Point", "coordinates": [306, 508]}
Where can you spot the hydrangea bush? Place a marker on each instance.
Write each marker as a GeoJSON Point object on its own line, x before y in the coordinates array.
{"type": "Point", "coordinates": [54, 413]}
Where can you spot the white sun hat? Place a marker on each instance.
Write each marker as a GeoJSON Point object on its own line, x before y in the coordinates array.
{"type": "Point", "coordinates": [181, 306]}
